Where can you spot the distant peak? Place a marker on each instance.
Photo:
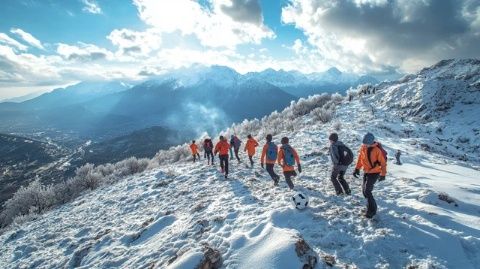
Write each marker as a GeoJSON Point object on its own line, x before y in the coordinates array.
{"type": "Point", "coordinates": [334, 71]}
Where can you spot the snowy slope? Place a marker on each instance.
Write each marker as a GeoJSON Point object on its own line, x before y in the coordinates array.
{"type": "Point", "coordinates": [176, 215]}
{"type": "Point", "coordinates": [441, 104]}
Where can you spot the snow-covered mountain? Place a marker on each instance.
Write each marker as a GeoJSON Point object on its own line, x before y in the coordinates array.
{"type": "Point", "coordinates": [443, 101]}
{"type": "Point", "coordinates": [179, 214]}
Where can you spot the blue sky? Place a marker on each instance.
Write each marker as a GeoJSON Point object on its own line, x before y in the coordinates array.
{"type": "Point", "coordinates": [47, 43]}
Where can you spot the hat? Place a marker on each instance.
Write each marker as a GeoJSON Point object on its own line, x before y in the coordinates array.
{"type": "Point", "coordinates": [368, 139]}
{"type": "Point", "coordinates": [333, 137]}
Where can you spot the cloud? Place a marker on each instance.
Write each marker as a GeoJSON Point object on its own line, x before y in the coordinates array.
{"type": "Point", "coordinates": [83, 52]}
{"type": "Point", "coordinates": [91, 6]}
{"type": "Point", "coordinates": [365, 34]}
{"type": "Point", "coordinates": [244, 11]}
{"type": "Point", "coordinates": [27, 37]}
{"type": "Point", "coordinates": [135, 43]}
{"type": "Point", "coordinates": [5, 39]}
{"type": "Point", "coordinates": [211, 26]}
{"type": "Point", "coordinates": [26, 69]}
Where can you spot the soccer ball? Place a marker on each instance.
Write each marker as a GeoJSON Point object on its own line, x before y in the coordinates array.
{"type": "Point", "coordinates": [300, 200]}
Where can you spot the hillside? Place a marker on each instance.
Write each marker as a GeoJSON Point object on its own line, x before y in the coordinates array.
{"type": "Point", "coordinates": [22, 159]}
{"type": "Point", "coordinates": [142, 143]}
{"type": "Point", "coordinates": [180, 214]}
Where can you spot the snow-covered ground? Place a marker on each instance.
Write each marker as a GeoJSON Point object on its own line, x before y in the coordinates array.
{"type": "Point", "coordinates": [184, 214]}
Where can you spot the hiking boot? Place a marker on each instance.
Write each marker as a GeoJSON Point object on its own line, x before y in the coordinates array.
{"type": "Point", "coordinates": [348, 192]}
{"type": "Point", "coordinates": [226, 176]}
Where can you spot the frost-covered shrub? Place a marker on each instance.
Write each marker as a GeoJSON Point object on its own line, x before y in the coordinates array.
{"type": "Point", "coordinates": [34, 198]}
{"type": "Point", "coordinates": [304, 106]}
{"type": "Point", "coordinates": [322, 114]}
{"type": "Point", "coordinates": [351, 94]}
{"type": "Point", "coordinates": [337, 98]}
{"type": "Point", "coordinates": [105, 169]}
{"type": "Point", "coordinates": [88, 177]}
{"type": "Point", "coordinates": [131, 166]}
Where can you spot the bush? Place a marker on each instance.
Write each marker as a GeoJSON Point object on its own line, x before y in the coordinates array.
{"type": "Point", "coordinates": [88, 177]}
{"type": "Point", "coordinates": [322, 114]}
{"type": "Point", "coordinates": [34, 198]}
{"type": "Point", "coordinates": [131, 166]}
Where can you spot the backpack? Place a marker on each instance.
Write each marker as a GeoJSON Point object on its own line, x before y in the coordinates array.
{"type": "Point", "coordinates": [289, 158]}
{"type": "Point", "coordinates": [272, 151]}
{"type": "Point", "coordinates": [382, 150]}
{"type": "Point", "coordinates": [345, 155]}
{"type": "Point", "coordinates": [236, 142]}
{"type": "Point", "coordinates": [208, 145]}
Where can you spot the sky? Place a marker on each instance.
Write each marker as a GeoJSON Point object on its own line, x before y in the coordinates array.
{"type": "Point", "coordinates": [49, 43]}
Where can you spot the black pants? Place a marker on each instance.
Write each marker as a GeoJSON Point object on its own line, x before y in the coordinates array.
{"type": "Point", "coordinates": [271, 172]}
{"type": "Point", "coordinates": [288, 177]}
{"type": "Point", "coordinates": [236, 153]}
{"type": "Point", "coordinates": [195, 157]}
{"type": "Point", "coordinates": [338, 181]}
{"type": "Point", "coordinates": [224, 163]}
{"type": "Point", "coordinates": [369, 181]}
{"type": "Point", "coordinates": [251, 160]}
{"type": "Point", "coordinates": [209, 156]}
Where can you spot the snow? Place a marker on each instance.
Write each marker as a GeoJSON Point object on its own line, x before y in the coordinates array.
{"type": "Point", "coordinates": [428, 216]}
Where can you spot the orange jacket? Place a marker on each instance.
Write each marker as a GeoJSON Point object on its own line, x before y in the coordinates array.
{"type": "Point", "coordinates": [222, 147]}
{"type": "Point", "coordinates": [281, 160]}
{"type": "Point", "coordinates": [376, 156]}
{"type": "Point", "coordinates": [251, 145]}
{"type": "Point", "coordinates": [263, 159]}
{"type": "Point", "coordinates": [194, 149]}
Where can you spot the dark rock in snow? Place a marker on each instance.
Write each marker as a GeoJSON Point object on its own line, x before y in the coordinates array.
{"type": "Point", "coordinates": [306, 254]}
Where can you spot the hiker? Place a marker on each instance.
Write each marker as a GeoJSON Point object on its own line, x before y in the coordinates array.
{"type": "Point", "coordinates": [235, 143]}
{"type": "Point", "coordinates": [372, 158]}
{"type": "Point", "coordinates": [208, 149]}
{"type": "Point", "coordinates": [341, 157]}
{"type": "Point", "coordinates": [222, 148]}
{"type": "Point", "coordinates": [250, 148]}
{"type": "Point", "coordinates": [194, 149]}
{"type": "Point", "coordinates": [269, 157]}
{"type": "Point", "coordinates": [287, 157]}
{"type": "Point", "coordinates": [397, 157]}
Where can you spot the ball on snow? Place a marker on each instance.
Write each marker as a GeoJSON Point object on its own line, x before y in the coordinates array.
{"type": "Point", "coordinates": [300, 200]}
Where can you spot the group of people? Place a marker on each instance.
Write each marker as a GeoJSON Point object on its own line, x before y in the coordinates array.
{"type": "Point", "coordinates": [372, 159]}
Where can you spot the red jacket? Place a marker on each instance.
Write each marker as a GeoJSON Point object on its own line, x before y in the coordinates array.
{"type": "Point", "coordinates": [222, 147]}
{"type": "Point", "coordinates": [250, 147]}
{"type": "Point", "coordinates": [194, 149]}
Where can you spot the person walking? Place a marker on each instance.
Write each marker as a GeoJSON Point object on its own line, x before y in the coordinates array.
{"type": "Point", "coordinates": [341, 157]}
{"type": "Point", "coordinates": [397, 157]}
{"type": "Point", "coordinates": [194, 149]}
{"type": "Point", "coordinates": [250, 148]}
{"type": "Point", "coordinates": [208, 149]}
{"type": "Point", "coordinates": [287, 158]}
{"type": "Point", "coordinates": [269, 157]}
{"type": "Point", "coordinates": [235, 143]}
{"type": "Point", "coordinates": [372, 159]}
{"type": "Point", "coordinates": [222, 148]}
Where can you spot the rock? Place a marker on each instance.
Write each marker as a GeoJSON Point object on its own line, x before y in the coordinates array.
{"type": "Point", "coordinates": [212, 260]}
{"type": "Point", "coordinates": [306, 254]}
{"type": "Point", "coordinates": [329, 260]}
